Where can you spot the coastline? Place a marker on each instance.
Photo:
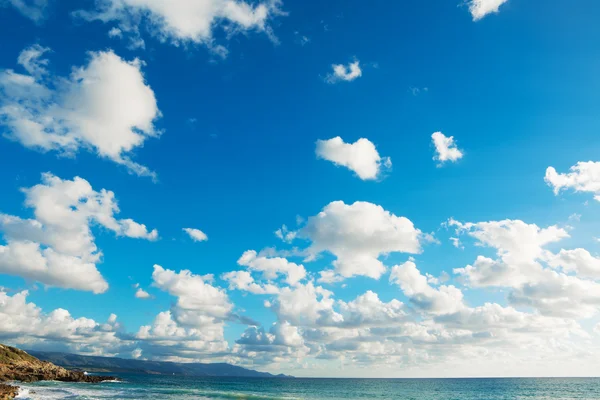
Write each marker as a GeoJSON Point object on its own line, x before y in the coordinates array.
{"type": "Point", "coordinates": [8, 392]}
{"type": "Point", "coordinates": [18, 366]}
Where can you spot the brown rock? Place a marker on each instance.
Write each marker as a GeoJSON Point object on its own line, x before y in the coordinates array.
{"type": "Point", "coordinates": [8, 392]}
{"type": "Point", "coordinates": [17, 365]}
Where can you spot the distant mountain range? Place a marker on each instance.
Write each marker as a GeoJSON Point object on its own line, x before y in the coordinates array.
{"type": "Point", "coordinates": [110, 364]}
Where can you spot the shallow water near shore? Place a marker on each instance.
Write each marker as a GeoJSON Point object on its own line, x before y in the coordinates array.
{"type": "Point", "coordinates": [179, 387]}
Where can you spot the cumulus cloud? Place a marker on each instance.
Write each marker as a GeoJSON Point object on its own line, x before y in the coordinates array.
{"type": "Point", "coordinates": [196, 234]}
{"type": "Point", "coordinates": [193, 292]}
{"type": "Point", "coordinates": [445, 148]}
{"type": "Point", "coordinates": [361, 156]}
{"type": "Point", "coordinates": [438, 328]}
{"type": "Point", "coordinates": [559, 295]}
{"type": "Point", "coordinates": [344, 73]}
{"type": "Point", "coordinates": [105, 106]}
{"type": "Point", "coordinates": [358, 234]}
{"type": "Point", "coordinates": [481, 8]}
{"type": "Point", "coordinates": [368, 310]}
{"type": "Point", "coordinates": [168, 340]}
{"type": "Point", "coordinates": [271, 268]}
{"type": "Point", "coordinates": [282, 342]}
{"type": "Point", "coordinates": [25, 323]}
{"type": "Point", "coordinates": [583, 177]}
{"type": "Point", "coordinates": [186, 21]}
{"type": "Point", "coordinates": [528, 270]}
{"type": "Point", "coordinates": [57, 247]}
{"type": "Point", "coordinates": [305, 305]}
{"type": "Point", "coordinates": [194, 326]}
{"type": "Point", "coordinates": [142, 294]}
{"type": "Point", "coordinates": [285, 234]}
{"type": "Point", "coordinates": [578, 261]}
{"type": "Point", "coordinates": [273, 272]}
{"type": "Point", "coordinates": [243, 280]}
{"type": "Point", "coordinates": [32, 9]}
{"type": "Point", "coordinates": [115, 33]}
{"type": "Point", "coordinates": [31, 59]}
{"type": "Point", "coordinates": [514, 239]}
{"type": "Point", "coordinates": [443, 300]}
{"type": "Point", "coordinates": [311, 326]}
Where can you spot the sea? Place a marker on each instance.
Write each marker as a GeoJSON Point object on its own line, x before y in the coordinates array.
{"type": "Point", "coordinates": [181, 387]}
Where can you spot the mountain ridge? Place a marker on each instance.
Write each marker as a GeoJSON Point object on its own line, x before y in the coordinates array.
{"type": "Point", "coordinates": [116, 364]}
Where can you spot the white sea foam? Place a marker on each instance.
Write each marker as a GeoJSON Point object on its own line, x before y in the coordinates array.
{"type": "Point", "coordinates": [53, 392]}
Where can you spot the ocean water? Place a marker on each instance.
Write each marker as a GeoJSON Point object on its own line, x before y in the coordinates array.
{"type": "Point", "coordinates": [176, 387]}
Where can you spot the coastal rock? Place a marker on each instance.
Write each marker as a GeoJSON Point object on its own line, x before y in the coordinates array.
{"type": "Point", "coordinates": [17, 365]}
{"type": "Point", "coordinates": [8, 392]}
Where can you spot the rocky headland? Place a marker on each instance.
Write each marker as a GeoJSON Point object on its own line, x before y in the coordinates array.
{"type": "Point", "coordinates": [17, 365]}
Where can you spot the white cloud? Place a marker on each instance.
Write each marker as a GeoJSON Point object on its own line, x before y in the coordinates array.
{"type": "Point", "coordinates": [368, 310]}
{"type": "Point", "coordinates": [194, 326]}
{"type": "Point", "coordinates": [281, 343]}
{"type": "Point", "coordinates": [285, 234]}
{"type": "Point", "coordinates": [31, 59]}
{"type": "Point", "coordinates": [305, 305]}
{"type": "Point", "coordinates": [193, 293]}
{"type": "Point", "coordinates": [142, 294]}
{"type": "Point", "coordinates": [196, 234]}
{"type": "Point", "coordinates": [583, 177]}
{"type": "Point", "coordinates": [456, 243]}
{"type": "Point", "coordinates": [136, 354]}
{"type": "Point", "coordinates": [486, 272]}
{"type": "Point", "coordinates": [578, 261]}
{"type": "Point", "coordinates": [443, 300]}
{"type": "Point", "coordinates": [30, 261]}
{"type": "Point", "coordinates": [32, 9]}
{"type": "Point", "coordinates": [57, 248]}
{"type": "Point", "coordinates": [358, 234]}
{"type": "Point", "coordinates": [272, 267]}
{"type": "Point", "coordinates": [361, 156]}
{"type": "Point", "coordinates": [243, 280]}
{"type": "Point", "coordinates": [168, 340]}
{"type": "Point", "coordinates": [520, 268]}
{"type": "Point", "coordinates": [481, 8]}
{"type": "Point", "coordinates": [559, 295]}
{"type": "Point", "coordinates": [329, 276]}
{"type": "Point", "coordinates": [283, 334]}
{"type": "Point", "coordinates": [575, 217]}
{"type": "Point", "coordinates": [115, 33]}
{"type": "Point", "coordinates": [345, 73]}
{"type": "Point", "coordinates": [530, 284]}
{"type": "Point", "coordinates": [513, 239]}
{"type": "Point", "coordinates": [25, 323]}
{"type": "Point", "coordinates": [445, 148]}
{"type": "Point", "coordinates": [104, 106]}
{"type": "Point", "coordinates": [187, 21]}
{"type": "Point", "coordinates": [368, 332]}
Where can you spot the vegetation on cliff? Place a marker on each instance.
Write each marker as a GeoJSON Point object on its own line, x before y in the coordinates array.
{"type": "Point", "coordinates": [17, 365]}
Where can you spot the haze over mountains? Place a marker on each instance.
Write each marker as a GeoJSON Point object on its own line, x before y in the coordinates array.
{"type": "Point", "coordinates": [110, 364]}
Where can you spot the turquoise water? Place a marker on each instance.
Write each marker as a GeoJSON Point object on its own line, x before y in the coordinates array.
{"type": "Point", "coordinates": [172, 387]}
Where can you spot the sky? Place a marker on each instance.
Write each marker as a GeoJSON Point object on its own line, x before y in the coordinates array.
{"type": "Point", "coordinates": [330, 188]}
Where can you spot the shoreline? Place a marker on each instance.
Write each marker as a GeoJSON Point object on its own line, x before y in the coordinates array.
{"type": "Point", "coordinates": [8, 392]}
{"type": "Point", "coordinates": [19, 366]}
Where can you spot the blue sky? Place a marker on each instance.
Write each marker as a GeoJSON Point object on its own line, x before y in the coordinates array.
{"type": "Point", "coordinates": [228, 144]}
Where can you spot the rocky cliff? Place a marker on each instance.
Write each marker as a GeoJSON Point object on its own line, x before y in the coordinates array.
{"type": "Point", "coordinates": [17, 365]}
